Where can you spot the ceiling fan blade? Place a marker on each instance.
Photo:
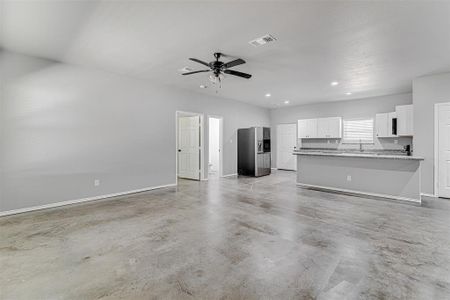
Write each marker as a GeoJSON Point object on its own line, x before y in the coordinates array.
{"type": "Point", "coordinates": [193, 72]}
{"type": "Point", "coordinates": [199, 61]}
{"type": "Point", "coordinates": [236, 73]}
{"type": "Point", "coordinates": [234, 63]}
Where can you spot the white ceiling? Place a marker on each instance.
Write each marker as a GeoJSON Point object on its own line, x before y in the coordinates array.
{"type": "Point", "coordinates": [371, 48]}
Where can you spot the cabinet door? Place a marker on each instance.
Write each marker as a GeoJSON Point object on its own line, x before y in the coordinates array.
{"type": "Point", "coordinates": [307, 128]}
{"type": "Point", "coordinates": [381, 123]}
{"type": "Point", "coordinates": [312, 128]}
{"type": "Point", "coordinates": [302, 129]}
{"type": "Point", "coordinates": [323, 128]}
{"type": "Point", "coordinates": [404, 120]}
{"type": "Point", "coordinates": [335, 127]}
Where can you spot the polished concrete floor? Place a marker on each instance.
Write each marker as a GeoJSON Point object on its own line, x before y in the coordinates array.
{"type": "Point", "coordinates": [229, 238]}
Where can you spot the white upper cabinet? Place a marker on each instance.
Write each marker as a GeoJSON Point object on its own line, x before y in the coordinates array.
{"type": "Point", "coordinates": [398, 123]}
{"type": "Point", "coordinates": [323, 128]}
{"type": "Point", "coordinates": [381, 125]}
{"type": "Point", "coordinates": [330, 128]}
{"type": "Point", "coordinates": [307, 128]}
{"type": "Point", "coordinates": [392, 124]}
{"type": "Point", "coordinates": [405, 120]}
{"type": "Point", "coordinates": [386, 125]}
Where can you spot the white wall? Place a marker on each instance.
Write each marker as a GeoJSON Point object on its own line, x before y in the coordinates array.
{"type": "Point", "coordinates": [214, 144]}
{"type": "Point", "coordinates": [63, 126]}
{"type": "Point", "coordinates": [357, 108]}
{"type": "Point", "coordinates": [427, 91]}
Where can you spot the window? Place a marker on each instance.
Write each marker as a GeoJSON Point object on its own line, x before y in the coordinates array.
{"type": "Point", "coordinates": [358, 131]}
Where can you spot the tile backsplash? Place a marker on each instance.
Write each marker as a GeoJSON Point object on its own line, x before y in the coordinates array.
{"type": "Point", "coordinates": [394, 143]}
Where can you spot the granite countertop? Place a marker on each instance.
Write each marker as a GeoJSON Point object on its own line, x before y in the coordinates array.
{"type": "Point", "coordinates": [337, 153]}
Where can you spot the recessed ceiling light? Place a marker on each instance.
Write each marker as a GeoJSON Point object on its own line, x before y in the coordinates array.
{"type": "Point", "coordinates": [202, 86]}
{"type": "Point", "coordinates": [286, 101]}
{"type": "Point", "coordinates": [334, 83]}
{"type": "Point", "coordinates": [348, 93]}
{"type": "Point", "coordinates": [268, 95]}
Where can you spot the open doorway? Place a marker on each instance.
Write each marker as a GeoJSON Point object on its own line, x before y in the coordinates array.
{"type": "Point", "coordinates": [215, 147]}
{"type": "Point", "coordinates": [189, 145]}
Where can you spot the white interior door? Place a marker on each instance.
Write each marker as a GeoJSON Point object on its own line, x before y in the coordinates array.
{"type": "Point", "coordinates": [444, 151]}
{"type": "Point", "coordinates": [189, 147]}
{"type": "Point", "coordinates": [286, 143]}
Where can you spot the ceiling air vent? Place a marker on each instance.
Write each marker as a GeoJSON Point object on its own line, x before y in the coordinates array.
{"type": "Point", "coordinates": [262, 40]}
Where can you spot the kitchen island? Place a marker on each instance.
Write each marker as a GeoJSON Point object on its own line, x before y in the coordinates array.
{"type": "Point", "coordinates": [370, 174]}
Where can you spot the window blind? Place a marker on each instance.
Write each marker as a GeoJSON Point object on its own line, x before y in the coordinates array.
{"type": "Point", "coordinates": [358, 131]}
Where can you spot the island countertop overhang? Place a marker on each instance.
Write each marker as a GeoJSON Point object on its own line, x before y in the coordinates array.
{"type": "Point", "coordinates": [358, 155]}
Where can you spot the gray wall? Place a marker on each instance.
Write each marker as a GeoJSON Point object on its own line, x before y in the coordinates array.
{"type": "Point", "coordinates": [63, 126]}
{"type": "Point", "coordinates": [427, 91]}
{"type": "Point", "coordinates": [367, 107]}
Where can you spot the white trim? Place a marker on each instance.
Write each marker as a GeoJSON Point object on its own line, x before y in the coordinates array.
{"type": "Point", "coordinates": [436, 147]}
{"type": "Point", "coordinates": [69, 202]}
{"type": "Point", "coordinates": [359, 193]}
{"type": "Point", "coordinates": [229, 175]}
{"type": "Point", "coordinates": [428, 195]}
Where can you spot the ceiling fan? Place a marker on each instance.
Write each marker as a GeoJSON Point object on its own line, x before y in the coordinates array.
{"type": "Point", "coordinates": [219, 68]}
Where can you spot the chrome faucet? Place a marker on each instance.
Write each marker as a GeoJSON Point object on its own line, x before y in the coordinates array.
{"type": "Point", "coordinates": [360, 146]}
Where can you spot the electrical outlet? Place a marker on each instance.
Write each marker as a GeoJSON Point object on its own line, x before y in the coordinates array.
{"type": "Point", "coordinates": [96, 182]}
{"type": "Point", "coordinates": [349, 178]}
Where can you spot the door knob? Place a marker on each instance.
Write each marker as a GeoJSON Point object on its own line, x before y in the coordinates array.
{"type": "Point", "coordinates": [179, 150]}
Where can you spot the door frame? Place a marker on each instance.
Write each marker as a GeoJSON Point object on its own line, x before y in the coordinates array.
{"type": "Point", "coordinates": [220, 145]}
{"type": "Point", "coordinates": [436, 146]}
{"type": "Point", "coordinates": [180, 113]}
{"type": "Point", "coordinates": [277, 141]}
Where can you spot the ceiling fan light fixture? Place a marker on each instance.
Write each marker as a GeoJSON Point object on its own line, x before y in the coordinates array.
{"type": "Point", "coordinates": [216, 78]}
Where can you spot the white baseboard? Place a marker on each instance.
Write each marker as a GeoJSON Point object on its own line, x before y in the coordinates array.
{"type": "Point", "coordinates": [429, 195]}
{"type": "Point", "coordinates": [229, 175]}
{"type": "Point", "coordinates": [359, 193]}
{"type": "Point", "coordinates": [69, 202]}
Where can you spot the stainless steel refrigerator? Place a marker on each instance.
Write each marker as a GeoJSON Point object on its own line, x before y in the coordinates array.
{"type": "Point", "coordinates": [254, 151]}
